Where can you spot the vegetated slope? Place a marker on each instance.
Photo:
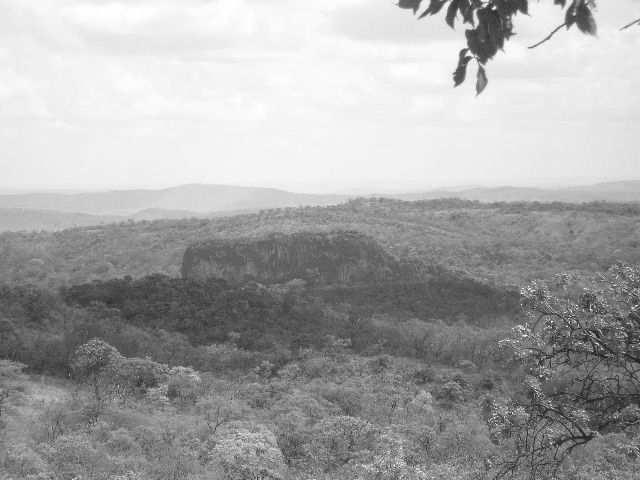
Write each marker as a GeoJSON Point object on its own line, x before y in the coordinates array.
{"type": "Point", "coordinates": [444, 296]}
{"type": "Point", "coordinates": [502, 243]}
{"type": "Point", "coordinates": [205, 311]}
{"type": "Point", "coordinates": [348, 268]}
{"type": "Point", "coordinates": [192, 198]}
{"type": "Point", "coordinates": [19, 219]}
{"type": "Point", "coordinates": [208, 311]}
{"type": "Point", "coordinates": [29, 220]}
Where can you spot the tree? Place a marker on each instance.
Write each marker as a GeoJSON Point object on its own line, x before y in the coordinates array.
{"type": "Point", "coordinates": [248, 451]}
{"type": "Point", "coordinates": [581, 351]}
{"type": "Point", "coordinates": [338, 440]}
{"type": "Point", "coordinates": [491, 25]}
{"type": "Point", "coordinates": [96, 363]}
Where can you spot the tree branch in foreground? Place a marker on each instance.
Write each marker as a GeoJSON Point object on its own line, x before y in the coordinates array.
{"type": "Point", "coordinates": [548, 37]}
{"type": "Point", "coordinates": [629, 25]}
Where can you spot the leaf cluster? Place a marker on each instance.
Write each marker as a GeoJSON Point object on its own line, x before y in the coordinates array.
{"type": "Point", "coordinates": [490, 24]}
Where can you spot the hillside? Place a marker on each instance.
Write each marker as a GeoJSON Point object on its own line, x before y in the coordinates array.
{"type": "Point", "coordinates": [501, 243]}
{"type": "Point", "coordinates": [18, 219]}
{"type": "Point", "coordinates": [159, 374]}
{"type": "Point", "coordinates": [57, 211]}
{"type": "Point", "coordinates": [191, 199]}
{"type": "Point", "coordinates": [27, 220]}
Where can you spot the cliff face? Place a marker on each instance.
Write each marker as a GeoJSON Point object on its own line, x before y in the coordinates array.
{"type": "Point", "coordinates": [320, 258]}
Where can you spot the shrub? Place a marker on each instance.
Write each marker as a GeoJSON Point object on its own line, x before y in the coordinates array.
{"type": "Point", "coordinates": [317, 367]}
{"type": "Point", "coordinates": [346, 398]}
{"type": "Point", "coordinates": [467, 365]}
{"type": "Point", "coordinates": [121, 442]}
{"type": "Point", "coordinates": [424, 375]}
{"type": "Point", "coordinates": [184, 385]}
{"type": "Point", "coordinates": [451, 393]}
{"type": "Point", "coordinates": [265, 370]}
{"type": "Point", "coordinates": [96, 363]}
{"type": "Point", "coordinates": [380, 363]}
{"type": "Point", "coordinates": [247, 452]}
{"type": "Point", "coordinates": [218, 410]}
{"type": "Point", "coordinates": [225, 356]}
{"type": "Point", "coordinates": [93, 359]}
{"type": "Point", "coordinates": [56, 419]}
{"type": "Point", "coordinates": [137, 375]}
{"type": "Point", "coordinates": [339, 440]}
{"type": "Point", "coordinates": [21, 460]}
{"type": "Point", "coordinates": [75, 455]}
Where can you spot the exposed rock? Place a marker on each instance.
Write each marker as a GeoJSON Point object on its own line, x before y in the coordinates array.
{"type": "Point", "coordinates": [342, 257]}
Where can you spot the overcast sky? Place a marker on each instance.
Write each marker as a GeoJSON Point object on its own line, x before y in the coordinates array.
{"type": "Point", "coordinates": [318, 95]}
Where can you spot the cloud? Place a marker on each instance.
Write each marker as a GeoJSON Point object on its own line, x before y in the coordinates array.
{"type": "Point", "coordinates": [324, 81]}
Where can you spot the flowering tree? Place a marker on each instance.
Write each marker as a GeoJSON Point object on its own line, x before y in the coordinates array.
{"type": "Point", "coordinates": [248, 452]}
{"type": "Point", "coordinates": [338, 440]}
{"type": "Point", "coordinates": [96, 363]}
{"type": "Point", "coordinates": [109, 374]}
{"type": "Point", "coordinates": [581, 351]}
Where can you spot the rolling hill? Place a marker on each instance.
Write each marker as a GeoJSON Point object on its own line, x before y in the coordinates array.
{"type": "Point", "coordinates": [60, 210]}
{"type": "Point", "coordinates": [500, 243]}
{"type": "Point", "coordinates": [20, 219]}
{"type": "Point", "coordinates": [628, 191]}
{"type": "Point", "coordinates": [190, 199]}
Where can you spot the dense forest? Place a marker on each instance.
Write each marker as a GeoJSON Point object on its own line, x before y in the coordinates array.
{"type": "Point", "coordinates": [115, 366]}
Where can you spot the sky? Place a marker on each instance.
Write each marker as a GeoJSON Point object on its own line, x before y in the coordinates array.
{"type": "Point", "coordinates": [317, 95]}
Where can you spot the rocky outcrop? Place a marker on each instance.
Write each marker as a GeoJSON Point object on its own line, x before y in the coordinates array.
{"type": "Point", "coordinates": [342, 257]}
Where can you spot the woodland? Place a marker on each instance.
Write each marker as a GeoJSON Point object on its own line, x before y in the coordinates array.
{"type": "Point", "coordinates": [514, 355]}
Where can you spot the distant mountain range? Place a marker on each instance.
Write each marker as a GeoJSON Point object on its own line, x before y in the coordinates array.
{"type": "Point", "coordinates": [622, 192]}
{"type": "Point", "coordinates": [56, 211]}
{"type": "Point", "coordinates": [190, 198]}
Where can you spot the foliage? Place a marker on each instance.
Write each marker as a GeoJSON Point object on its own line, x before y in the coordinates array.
{"type": "Point", "coordinates": [582, 354]}
{"type": "Point", "coordinates": [211, 380]}
{"type": "Point", "coordinates": [340, 439]}
{"type": "Point", "coordinates": [491, 24]}
{"type": "Point", "coordinates": [96, 363]}
{"type": "Point", "coordinates": [183, 385]}
{"type": "Point", "coordinates": [298, 430]}
{"type": "Point", "coordinates": [246, 452]}
{"type": "Point", "coordinates": [109, 374]}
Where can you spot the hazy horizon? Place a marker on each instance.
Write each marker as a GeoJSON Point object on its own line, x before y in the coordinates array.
{"type": "Point", "coordinates": [353, 190]}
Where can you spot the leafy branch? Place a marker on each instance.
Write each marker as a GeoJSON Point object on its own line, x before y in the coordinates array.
{"type": "Point", "coordinates": [548, 37]}
{"type": "Point", "coordinates": [490, 25]}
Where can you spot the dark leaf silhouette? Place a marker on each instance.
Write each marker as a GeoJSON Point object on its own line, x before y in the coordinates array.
{"type": "Point", "coordinates": [460, 72]}
{"type": "Point", "coordinates": [452, 12]}
{"type": "Point", "coordinates": [481, 80]}
{"type": "Point", "coordinates": [585, 21]}
{"type": "Point", "coordinates": [410, 4]}
{"type": "Point", "coordinates": [434, 7]}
